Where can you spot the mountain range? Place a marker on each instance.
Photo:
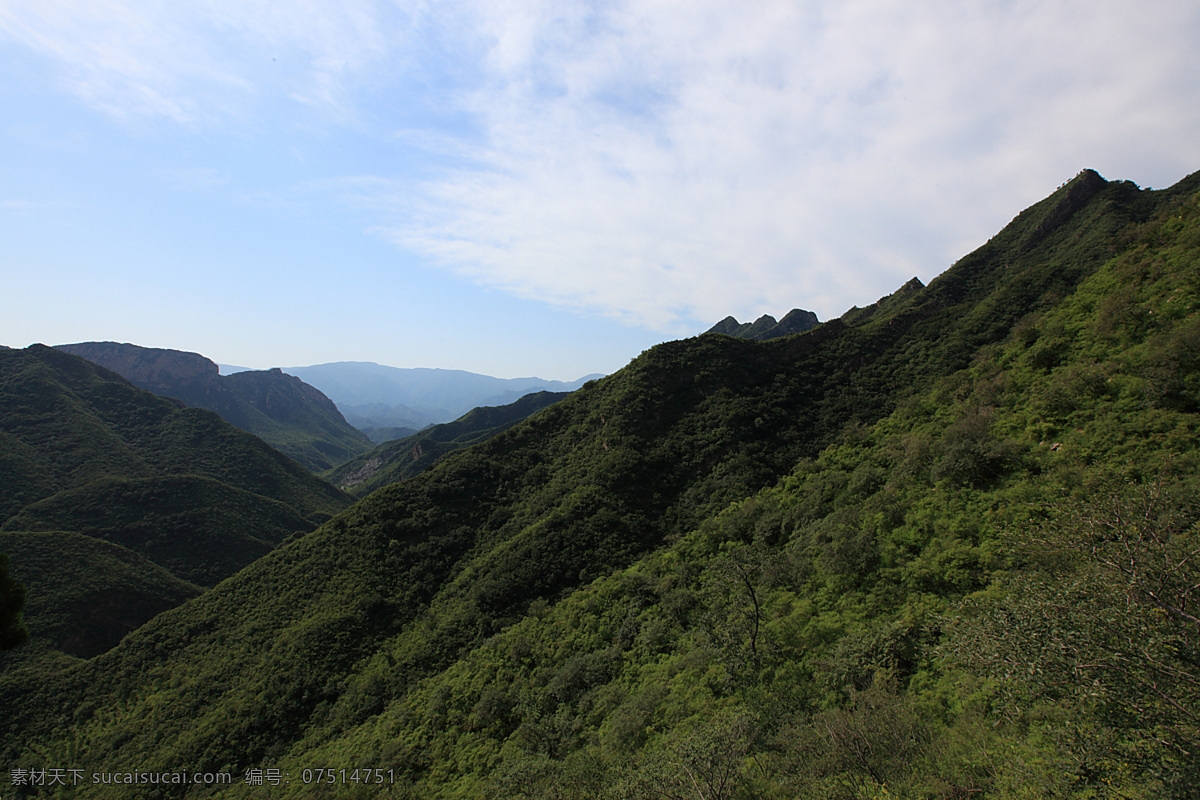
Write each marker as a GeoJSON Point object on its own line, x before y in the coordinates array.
{"type": "Point", "coordinates": [376, 398]}
{"type": "Point", "coordinates": [944, 546]}
{"type": "Point", "coordinates": [281, 409]}
{"type": "Point", "coordinates": [405, 457]}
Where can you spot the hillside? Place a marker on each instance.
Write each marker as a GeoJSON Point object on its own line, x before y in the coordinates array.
{"type": "Point", "coordinates": [408, 456]}
{"type": "Point", "coordinates": [199, 529]}
{"type": "Point", "coordinates": [83, 451]}
{"type": "Point", "coordinates": [88, 593]}
{"type": "Point", "coordinates": [285, 412]}
{"type": "Point", "coordinates": [65, 422]}
{"type": "Point", "coordinates": [943, 547]}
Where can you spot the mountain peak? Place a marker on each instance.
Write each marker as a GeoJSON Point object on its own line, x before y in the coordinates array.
{"type": "Point", "coordinates": [149, 367]}
{"type": "Point", "coordinates": [767, 327]}
{"type": "Point", "coordinates": [286, 412]}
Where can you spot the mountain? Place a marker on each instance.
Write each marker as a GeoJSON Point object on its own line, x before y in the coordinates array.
{"type": "Point", "coordinates": [88, 593]}
{"type": "Point", "coordinates": [66, 422]}
{"type": "Point", "coordinates": [386, 434]}
{"type": "Point", "coordinates": [766, 327]}
{"type": "Point", "coordinates": [284, 411]}
{"type": "Point", "coordinates": [199, 529]}
{"type": "Point", "coordinates": [375, 396]}
{"type": "Point", "coordinates": [396, 460]}
{"type": "Point", "coordinates": [83, 451]}
{"type": "Point", "coordinates": [944, 546]}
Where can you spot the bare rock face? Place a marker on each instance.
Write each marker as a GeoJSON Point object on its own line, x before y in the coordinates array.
{"type": "Point", "coordinates": [155, 370]}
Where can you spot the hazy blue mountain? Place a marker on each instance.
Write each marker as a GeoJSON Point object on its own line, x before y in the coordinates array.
{"type": "Point", "coordinates": [376, 396]}
{"type": "Point", "coordinates": [377, 420]}
{"type": "Point", "coordinates": [284, 411]}
{"type": "Point", "coordinates": [229, 369]}
{"type": "Point", "coordinates": [389, 434]}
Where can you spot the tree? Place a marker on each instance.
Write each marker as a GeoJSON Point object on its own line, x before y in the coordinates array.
{"type": "Point", "coordinates": [706, 763]}
{"type": "Point", "coordinates": [1106, 625]}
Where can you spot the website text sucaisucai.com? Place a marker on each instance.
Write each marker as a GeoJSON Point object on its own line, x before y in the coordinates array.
{"type": "Point", "coordinates": [68, 776]}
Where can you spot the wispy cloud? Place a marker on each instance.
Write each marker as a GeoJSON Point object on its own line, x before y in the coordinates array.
{"type": "Point", "coordinates": [201, 62]}
{"type": "Point", "coordinates": [668, 162]}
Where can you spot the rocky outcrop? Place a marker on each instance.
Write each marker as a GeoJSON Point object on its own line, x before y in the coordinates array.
{"type": "Point", "coordinates": [767, 327]}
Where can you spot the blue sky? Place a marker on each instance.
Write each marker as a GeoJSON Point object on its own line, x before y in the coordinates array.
{"type": "Point", "coordinates": [541, 188]}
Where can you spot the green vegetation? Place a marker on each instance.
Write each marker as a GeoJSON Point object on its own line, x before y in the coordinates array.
{"type": "Point", "coordinates": [767, 327]}
{"type": "Point", "coordinates": [88, 593]}
{"type": "Point", "coordinates": [12, 601]}
{"type": "Point", "coordinates": [199, 529]}
{"type": "Point", "coordinates": [945, 547]}
{"type": "Point", "coordinates": [65, 422]}
{"type": "Point", "coordinates": [403, 458]}
{"type": "Point", "coordinates": [294, 417]}
{"type": "Point", "coordinates": [83, 451]}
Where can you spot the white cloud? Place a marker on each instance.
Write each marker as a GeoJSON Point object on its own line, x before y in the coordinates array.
{"type": "Point", "coordinates": [665, 161]}
{"type": "Point", "coordinates": [668, 162]}
{"type": "Point", "coordinates": [201, 62]}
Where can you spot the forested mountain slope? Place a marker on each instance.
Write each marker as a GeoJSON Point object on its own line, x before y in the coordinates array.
{"type": "Point", "coordinates": [86, 593]}
{"type": "Point", "coordinates": [84, 451]}
{"type": "Point", "coordinates": [884, 558]}
{"type": "Point", "coordinates": [66, 422]}
{"type": "Point", "coordinates": [402, 458]}
{"type": "Point", "coordinates": [287, 413]}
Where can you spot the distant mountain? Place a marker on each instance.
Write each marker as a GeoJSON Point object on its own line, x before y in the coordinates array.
{"type": "Point", "coordinates": [284, 411]}
{"type": "Point", "coordinates": [379, 420]}
{"type": "Point", "coordinates": [376, 396]}
{"type": "Point", "coordinates": [766, 327]}
{"type": "Point", "coordinates": [396, 460]}
{"type": "Point", "coordinates": [381, 435]}
{"type": "Point", "coordinates": [83, 450]}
